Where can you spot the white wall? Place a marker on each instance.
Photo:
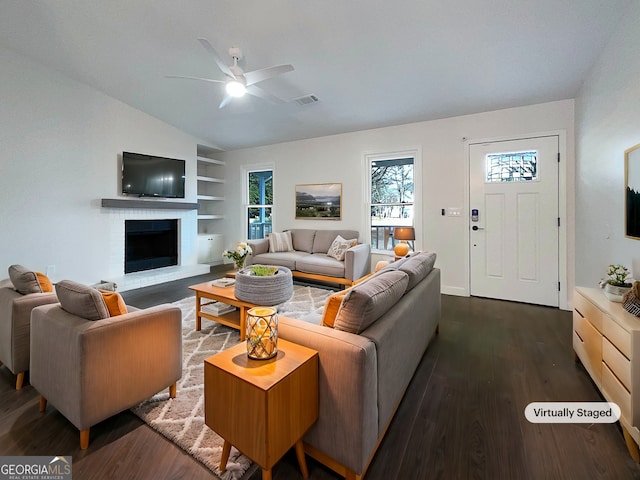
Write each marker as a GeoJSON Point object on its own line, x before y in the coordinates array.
{"type": "Point", "coordinates": [60, 143]}
{"type": "Point", "coordinates": [607, 123]}
{"type": "Point", "coordinates": [61, 140]}
{"type": "Point", "coordinates": [339, 158]}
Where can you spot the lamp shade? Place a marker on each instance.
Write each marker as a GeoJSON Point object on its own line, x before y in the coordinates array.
{"type": "Point", "coordinates": [404, 233]}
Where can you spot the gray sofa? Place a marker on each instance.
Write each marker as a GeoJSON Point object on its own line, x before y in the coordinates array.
{"type": "Point", "coordinates": [309, 258]}
{"type": "Point", "coordinates": [363, 376]}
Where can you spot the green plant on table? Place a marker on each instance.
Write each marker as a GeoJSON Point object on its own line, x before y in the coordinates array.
{"type": "Point", "coordinates": [263, 270]}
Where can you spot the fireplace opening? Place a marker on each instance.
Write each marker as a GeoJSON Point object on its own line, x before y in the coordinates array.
{"type": "Point", "coordinates": [150, 244]}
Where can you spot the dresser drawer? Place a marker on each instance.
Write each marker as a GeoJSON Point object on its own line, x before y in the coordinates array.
{"type": "Point", "coordinates": [587, 310]}
{"type": "Point", "coordinates": [594, 370]}
{"type": "Point", "coordinates": [617, 335]}
{"type": "Point", "coordinates": [588, 345]}
{"type": "Point", "coordinates": [617, 363]}
{"type": "Point", "coordinates": [615, 392]}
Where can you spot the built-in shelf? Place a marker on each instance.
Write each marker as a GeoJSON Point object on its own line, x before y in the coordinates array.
{"type": "Point", "coordinates": [155, 204]}
{"type": "Point", "coordinates": [211, 160]}
{"type": "Point", "coordinates": [209, 197]}
{"type": "Point", "coordinates": [202, 178]}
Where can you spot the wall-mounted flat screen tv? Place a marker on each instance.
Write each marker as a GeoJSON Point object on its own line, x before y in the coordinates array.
{"type": "Point", "coordinates": [151, 176]}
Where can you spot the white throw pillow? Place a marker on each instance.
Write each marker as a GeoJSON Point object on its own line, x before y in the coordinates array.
{"type": "Point", "coordinates": [280, 242]}
{"type": "Point", "coordinates": [340, 246]}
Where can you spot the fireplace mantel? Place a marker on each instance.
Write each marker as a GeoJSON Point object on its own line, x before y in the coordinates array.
{"type": "Point", "coordinates": [155, 204]}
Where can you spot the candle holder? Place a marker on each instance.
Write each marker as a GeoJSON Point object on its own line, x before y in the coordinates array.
{"type": "Point", "coordinates": [262, 333]}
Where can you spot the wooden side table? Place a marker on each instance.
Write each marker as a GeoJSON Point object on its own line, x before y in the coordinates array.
{"type": "Point", "coordinates": [262, 407]}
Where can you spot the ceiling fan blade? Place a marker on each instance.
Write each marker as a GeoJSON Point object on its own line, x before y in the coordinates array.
{"type": "Point", "coordinates": [196, 78]}
{"type": "Point", "coordinates": [256, 76]}
{"type": "Point", "coordinates": [216, 58]}
{"type": "Point", "coordinates": [225, 101]}
{"type": "Point", "coordinates": [258, 92]}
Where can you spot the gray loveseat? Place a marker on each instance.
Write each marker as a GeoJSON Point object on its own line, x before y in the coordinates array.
{"type": "Point", "coordinates": [363, 376]}
{"type": "Point", "coordinates": [309, 258]}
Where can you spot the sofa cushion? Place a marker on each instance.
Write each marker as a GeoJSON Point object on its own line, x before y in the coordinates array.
{"type": "Point", "coordinates": [283, 259]}
{"type": "Point", "coordinates": [81, 300]}
{"type": "Point", "coordinates": [259, 245]}
{"type": "Point", "coordinates": [417, 266]}
{"type": "Point", "coordinates": [114, 302]}
{"type": "Point", "coordinates": [302, 239]}
{"type": "Point", "coordinates": [280, 242]}
{"type": "Point", "coordinates": [369, 300]}
{"type": "Point", "coordinates": [26, 281]}
{"type": "Point", "coordinates": [324, 238]}
{"type": "Point", "coordinates": [339, 246]}
{"type": "Point", "coordinates": [320, 264]}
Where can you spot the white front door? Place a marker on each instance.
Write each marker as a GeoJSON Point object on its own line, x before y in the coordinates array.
{"type": "Point", "coordinates": [514, 238]}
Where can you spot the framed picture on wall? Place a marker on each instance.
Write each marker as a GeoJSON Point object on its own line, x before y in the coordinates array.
{"type": "Point", "coordinates": [319, 201]}
{"type": "Point", "coordinates": [632, 192]}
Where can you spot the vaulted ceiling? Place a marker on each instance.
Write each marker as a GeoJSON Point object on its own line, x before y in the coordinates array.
{"type": "Point", "coordinates": [370, 63]}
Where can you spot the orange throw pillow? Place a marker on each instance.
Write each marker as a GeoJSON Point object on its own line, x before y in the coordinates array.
{"type": "Point", "coordinates": [114, 302]}
{"type": "Point", "coordinates": [45, 283]}
{"type": "Point", "coordinates": [331, 307]}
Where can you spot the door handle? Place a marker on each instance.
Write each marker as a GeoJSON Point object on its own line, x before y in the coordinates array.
{"type": "Point", "coordinates": [475, 227]}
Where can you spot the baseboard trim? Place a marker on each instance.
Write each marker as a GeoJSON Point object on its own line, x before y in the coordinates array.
{"type": "Point", "coordinates": [457, 291]}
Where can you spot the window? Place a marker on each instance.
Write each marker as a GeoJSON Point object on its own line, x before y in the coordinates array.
{"type": "Point", "coordinates": [391, 197]}
{"type": "Point", "coordinates": [512, 167]}
{"type": "Point", "coordinates": [259, 203]}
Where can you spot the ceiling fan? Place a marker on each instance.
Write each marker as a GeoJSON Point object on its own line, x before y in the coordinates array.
{"type": "Point", "coordinates": [239, 82]}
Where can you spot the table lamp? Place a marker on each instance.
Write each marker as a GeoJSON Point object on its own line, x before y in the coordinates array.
{"type": "Point", "coordinates": [403, 234]}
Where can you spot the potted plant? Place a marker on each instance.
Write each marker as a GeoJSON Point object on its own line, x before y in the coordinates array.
{"type": "Point", "coordinates": [263, 270]}
{"type": "Point", "coordinates": [264, 285]}
{"type": "Point", "coordinates": [617, 283]}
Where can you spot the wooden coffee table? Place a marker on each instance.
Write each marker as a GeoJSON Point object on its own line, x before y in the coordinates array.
{"type": "Point", "coordinates": [236, 319]}
{"type": "Point", "coordinates": [262, 407]}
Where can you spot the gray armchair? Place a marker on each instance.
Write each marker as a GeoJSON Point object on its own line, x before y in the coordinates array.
{"type": "Point", "coordinates": [92, 369]}
{"type": "Point", "coordinates": [15, 328]}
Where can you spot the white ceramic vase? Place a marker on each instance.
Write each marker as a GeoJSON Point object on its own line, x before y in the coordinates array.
{"type": "Point", "coordinates": [615, 293]}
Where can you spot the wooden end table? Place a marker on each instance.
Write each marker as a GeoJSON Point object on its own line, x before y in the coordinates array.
{"type": "Point", "coordinates": [262, 407]}
{"type": "Point", "coordinates": [236, 319]}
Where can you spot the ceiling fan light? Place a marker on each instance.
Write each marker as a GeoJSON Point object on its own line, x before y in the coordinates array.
{"type": "Point", "coordinates": [235, 89]}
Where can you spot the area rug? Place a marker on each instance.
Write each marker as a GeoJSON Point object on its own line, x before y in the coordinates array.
{"type": "Point", "coordinates": [181, 419]}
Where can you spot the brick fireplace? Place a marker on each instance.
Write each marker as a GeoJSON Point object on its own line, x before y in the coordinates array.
{"type": "Point", "coordinates": [187, 247]}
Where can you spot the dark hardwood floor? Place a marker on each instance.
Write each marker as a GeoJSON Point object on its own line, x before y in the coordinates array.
{"type": "Point", "coordinates": [462, 416]}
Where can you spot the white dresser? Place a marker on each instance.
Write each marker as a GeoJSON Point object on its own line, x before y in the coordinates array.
{"type": "Point", "coordinates": [606, 339]}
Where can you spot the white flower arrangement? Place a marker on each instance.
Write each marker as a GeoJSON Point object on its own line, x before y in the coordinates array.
{"type": "Point", "coordinates": [239, 254]}
{"type": "Point", "coordinates": [617, 275]}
